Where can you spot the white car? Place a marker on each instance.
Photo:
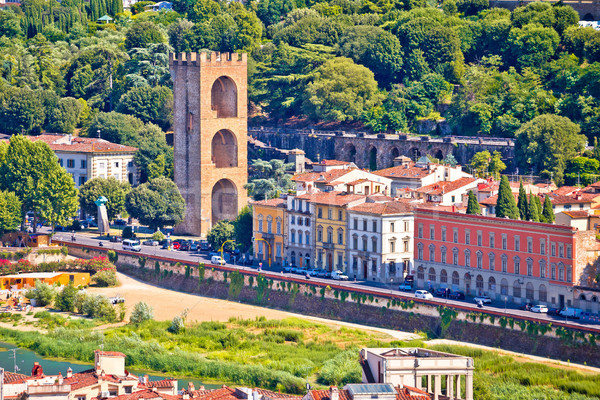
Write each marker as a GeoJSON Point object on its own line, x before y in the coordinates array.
{"type": "Point", "coordinates": [482, 299]}
{"type": "Point", "coordinates": [217, 260]}
{"type": "Point", "coordinates": [339, 276]}
{"type": "Point", "coordinates": [540, 308]}
{"type": "Point", "coordinates": [423, 294]}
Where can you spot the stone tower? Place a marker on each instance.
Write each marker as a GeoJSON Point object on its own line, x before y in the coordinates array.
{"type": "Point", "coordinates": [210, 136]}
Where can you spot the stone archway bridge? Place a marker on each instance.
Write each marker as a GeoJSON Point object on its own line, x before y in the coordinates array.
{"type": "Point", "coordinates": [376, 151]}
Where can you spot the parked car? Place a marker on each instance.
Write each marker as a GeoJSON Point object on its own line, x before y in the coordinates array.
{"type": "Point", "coordinates": [456, 295]}
{"type": "Point", "coordinates": [441, 292]}
{"type": "Point", "coordinates": [321, 273]}
{"type": "Point", "coordinates": [288, 268]}
{"type": "Point", "coordinates": [132, 245]}
{"type": "Point", "coordinates": [482, 299]}
{"type": "Point", "coordinates": [405, 287]}
{"type": "Point", "coordinates": [150, 242]}
{"type": "Point", "coordinates": [184, 245]}
{"type": "Point", "coordinates": [339, 276]}
{"type": "Point", "coordinates": [553, 311]}
{"type": "Point", "coordinates": [526, 306]}
{"type": "Point", "coordinates": [165, 243]}
{"type": "Point", "coordinates": [120, 222]}
{"type": "Point", "coordinates": [423, 294]}
{"type": "Point", "coordinates": [409, 279]}
{"type": "Point", "coordinates": [539, 308]}
{"type": "Point", "coordinates": [116, 239]}
{"type": "Point", "coordinates": [204, 245]}
{"type": "Point", "coordinates": [217, 260]}
{"type": "Point", "coordinates": [175, 244]}
{"type": "Point", "coordinates": [194, 246]}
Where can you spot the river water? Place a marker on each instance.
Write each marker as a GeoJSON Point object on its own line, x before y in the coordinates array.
{"type": "Point", "coordinates": [26, 358]}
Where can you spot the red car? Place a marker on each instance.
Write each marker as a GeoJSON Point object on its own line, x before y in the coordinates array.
{"type": "Point", "coordinates": [175, 245]}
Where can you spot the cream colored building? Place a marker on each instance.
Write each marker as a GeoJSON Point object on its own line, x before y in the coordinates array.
{"type": "Point", "coordinates": [88, 158]}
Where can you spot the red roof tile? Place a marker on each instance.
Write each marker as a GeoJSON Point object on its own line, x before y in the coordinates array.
{"type": "Point", "coordinates": [146, 394]}
{"type": "Point", "coordinates": [165, 383]}
{"type": "Point", "coordinates": [279, 202]}
{"type": "Point", "coordinates": [402, 171]}
{"type": "Point", "coordinates": [331, 198]}
{"type": "Point", "coordinates": [577, 214]}
{"type": "Point", "coordinates": [81, 144]}
{"type": "Point", "coordinates": [332, 163]}
{"type": "Point", "coordinates": [387, 208]}
{"type": "Point", "coordinates": [322, 177]}
{"type": "Point", "coordinates": [325, 394]}
{"type": "Point", "coordinates": [12, 377]}
{"type": "Point", "coordinates": [445, 186]}
{"type": "Point", "coordinates": [110, 353]}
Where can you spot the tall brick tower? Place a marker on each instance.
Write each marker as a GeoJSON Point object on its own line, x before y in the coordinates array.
{"type": "Point", "coordinates": [210, 136]}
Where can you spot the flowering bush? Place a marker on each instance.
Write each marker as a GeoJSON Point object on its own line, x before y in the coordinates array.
{"type": "Point", "coordinates": [25, 266]}
{"type": "Point", "coordinates": [7, 268]}
{"type": "Point", "coordinates": [95, 264]}
{"type": "Point", "coordinates": [105, 277]}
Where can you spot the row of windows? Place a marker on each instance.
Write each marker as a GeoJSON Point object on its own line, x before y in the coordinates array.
{"type": "Point", "coordinates": [300, 221]}
{"type": "Point", "coordinates": [262, 247]}
{"type": "Point", "coordinates": [556, 249]}
{"type": "Point", "coordinates": [71, 163]}
{"type": "Point", "coordinates": [340, 214]}
{"type": "Point", "coordinates": [300, 237]}
{"type": "Point", "coordinates": [298, 205]}
{"type": "Point", "coordinates": [269, 224]}
{"type": "Point", "coordinates": [491, 262]}
{"type": "Point", "coordinates": [340, 235]}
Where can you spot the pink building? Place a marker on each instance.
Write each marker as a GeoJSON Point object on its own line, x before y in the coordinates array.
{"type": "Point", "coordinates": [512, 260]}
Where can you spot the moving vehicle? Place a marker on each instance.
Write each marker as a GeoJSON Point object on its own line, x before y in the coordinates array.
{"type": "Point", "coordinates": [539, 308]}
{"type": "Point", "coordinates": [289, 268]}
{"type": "Point", "coordinates": [218, 260]}
{"type": "Point", "coordinates": [339, 276]}
{"type": "Point", "coordinates": [405, 287]}
{"type": "Point", "coordinates": [116, 239]}
{"type": "Point", "coordinates": [423, 294]}
{"type": "Point", "coordinates": [570, 312]}
{"type": "Point", "coordinates": [482, 299]}
{"type": "Point", "coordinates": [132, 245]}
{"type": "Point", "coordinates": [150, 242]}
{"type": "Point", "coordinates": [526, 306]}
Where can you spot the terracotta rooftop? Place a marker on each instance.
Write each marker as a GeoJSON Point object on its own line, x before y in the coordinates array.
{"type": "Point", "coordinates": [566, 190]}
{"type": "Point", "coordinates": [445, 186]}
{"type": "Point", "coordinates": [110, 353]}
{"type": "Point", "coordinates": [278, 202]}
{"type": "Point", "coordinates": [387, 208]}
{"type": "Point", "coordinates": [165, 383]}
{"type": "Point", "coordinates": [81, 144]}
{"type": "Point", "coordinates": [404, 171]}
{"type": "Point", "coordinates": [333, 163]}
{"type": "Point", "coordinates": [404, 393]}
{"type": "Point", "coordinates": [322, 177]}
{"type": "Point", "coordinates": [12, 377]}
{"type": "Point", "coordinates": [146, 394]}
{"type": "Point", "coordinates": [577, 214]}
{"type": "Point", "coordinates": [331, 198]}
{"type": "Point", "coordinates": [576, 198]}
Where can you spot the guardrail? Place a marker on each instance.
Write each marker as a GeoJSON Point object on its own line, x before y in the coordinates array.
{"type": "Point", "coordinates": [337, 286]}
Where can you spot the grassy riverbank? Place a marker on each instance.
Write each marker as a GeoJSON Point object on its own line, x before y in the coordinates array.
{"type": "Point", "coordinates": [278, 354]}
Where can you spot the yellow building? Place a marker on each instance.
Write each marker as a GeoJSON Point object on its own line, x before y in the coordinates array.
{"type": "Point", "coordinates": [269, 227]}
{"type": "Point", "coordinates": [25, 281]}
{"type": "Point", "coordinates": [329, 222]}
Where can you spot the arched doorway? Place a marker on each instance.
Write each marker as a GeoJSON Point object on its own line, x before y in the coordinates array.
{"type": "Point", "coordinates": [492, 285]}
{"type": "Point", "coordinates": [329, 262]}
{"type": "Point", "coordinates": [542, 294]}
{"type": "Point", "coordinates": [529, 292]}
{"type": "Point", "coordinates": [351, 153]}
{"type": "Point", "coordinates": [224, 201]}
{"type": "Point", "coordinates": [224, 149]}
{"type": "Point", "coordinates": [467, 284]}
{"type": "Point", "coordinates": [224, 98]}
{"type": "Point", "coordinates": [438, 154]}
{"type": "Point", "coordinates": [293, 259]}
{"type": "Point", "coordinates": [395, 153]}
{"type": "Point", "coordinates": [415, 153]}
{"type": "Point", "coordinates": [373, 158]}
{"type": "Point", "coordinates": [479, 284]}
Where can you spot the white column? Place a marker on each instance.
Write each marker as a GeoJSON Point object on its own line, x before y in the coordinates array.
{"type": "Point", "coordinates": [469, 386]}
{"type": "Point", "coordinates": [450, 386]}
{"type": "Point", "coordinates": [418, 382]}
{"type": "Point", "coordinates": [458, 395]}
{"type": "Point", "coordinates": [438, 387]}
{"type": "Point", "coordinates": [428, 383]}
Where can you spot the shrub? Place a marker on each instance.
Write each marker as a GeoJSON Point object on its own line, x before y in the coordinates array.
{"type": "Point", "coordinates": [113, 256]}
{"type": "Point", "coordinates": [141, 312]}
{"type": "Point", "coordinates": [128, 233]}
{"type": "Point", "coordinates": [65, 299]}
{"type": "Point", "coordinates": [342, 369]}
{"type": "Point", "coordinates": [100, 307]}
{"type": "Point", "coordinates": [64, 251]}
{"type": "Point", "coordinates": [105, 278]}
{"type": "Point", "coordinates": [177, 325]}
{"type": "Point", "coordinates": [158, 235]}
{"type": "Point", "coordinates": [43, 294]}
{"type": "Point", "coordinates": [80, 297]}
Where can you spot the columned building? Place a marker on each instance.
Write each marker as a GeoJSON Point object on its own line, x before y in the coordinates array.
{"type": "Point", "coordinates": [509, 260]}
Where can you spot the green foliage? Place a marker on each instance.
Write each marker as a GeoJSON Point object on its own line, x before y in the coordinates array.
{"type": "Point", "coordinates": [43, 294]}
{"type": "Point", "coordinates": [506, 205]}
{"type": "Point", "coordinates": [111, 188]}
{"type": "Point", "coordinates": [65, 298]}
{"type": "Point", "coordinates": [10, 212]}
{"type": "Point", "coordinates": [152, 105]}
{"type": "Point", "coordinates": [177, 325]}
{"type": "Point", "coordinates": [140, 34]}
{"type": "Point", "coordinates": [342, 369]}
{"type": "Point", "coordinates": [534, 209]}
{"type": "Point", "coordinates": [548, 212]}
{"type": "Point", "coordinates": [141, 312]}
{"type": "Point", "coordinates": [242, 228]}
{"type": "Point", "coordinates": [98, 307]}
{"type": "Point", "coordinates": [113, 256]}
{"type": "Point", "coordinates": [220, 233]}
{"type": "Point", "coordinates": [156, 203]}
{"type": "Point", "coordinates": [116, 127]}
{"type": "Point", "coordinates": [105, 278]}
{"type": "Point", "coordinates": [267, 179]}
{"type": "Point", "coordinates": [236, 284]}
{"type": "Point", "coordinates": [473, 206]}
{"type": "Point", "coordinates": [522, 204]}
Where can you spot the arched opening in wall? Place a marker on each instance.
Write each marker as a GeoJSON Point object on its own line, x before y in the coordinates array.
{"type": "Point", "coordinates": [492, 284]}
{"type": "Point", "coordinates": [351, 153]}
{"type": "Point", "coordinates": [479, 284]}
{"type": "Point", "coordinates": [373, 158]}
{"type": "Point", "coordinates": [529, 292]}
{"type": "Point", "coordinates": [224, 149]}
{"type": "Point", "coordinates": [415, 153]}
{"type": "Point", "coordinates": [224, 98]}
{"type": "Point", "coordinates": [395, 153]}
{"type": "Point", "coordinates": [438, 154]}
{"type": "Point", "coordinates": [542, 294]}
{"type": "Point", "coordinates": [224, 201]}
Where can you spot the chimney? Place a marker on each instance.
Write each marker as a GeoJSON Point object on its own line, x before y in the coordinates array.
{"type": "Point", "coordinates": [60, 378]}
{"type": "Point", "coordinates": [201, 387]}
{"type": "Point", "coordinates": [69, 373]}
{"type": "Point", "coordinates": [185, 396]}
{"type": "Point", "coordinates": [190, 386]}
{"type": "Point", "coordinates": [334, 393]}
{"type": "Point", "coordinates": [145, 378]}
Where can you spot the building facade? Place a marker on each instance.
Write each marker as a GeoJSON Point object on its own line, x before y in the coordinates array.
{"type": "Point", "coordinates": [508, 260]}
{"type": "Point", "coordinates": [300, 234]}
{"type": "Point", "coordinates": [89, 158]}
{"type": "Point", "coordinates": [380, 242]}
{"type": "Point", "coordinates": [269, 234]}
{"type": "Point", "coordinates": [210, 136]}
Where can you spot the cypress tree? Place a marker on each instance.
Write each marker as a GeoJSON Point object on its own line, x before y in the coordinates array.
{"type": "Point", "coordinates": [548, 211]}
{"type": "Point", "coordinates": [522, 203]}
{"type": "Point", "coordinates": [534, 211]}
{"type": "Point", "coordinates": [473, 205]}
{"type": "Point", "coordinates": [506, 205]}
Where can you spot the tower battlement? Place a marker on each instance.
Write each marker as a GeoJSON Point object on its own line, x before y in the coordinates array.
{"type": "Point", "coordinates": [213, 58]}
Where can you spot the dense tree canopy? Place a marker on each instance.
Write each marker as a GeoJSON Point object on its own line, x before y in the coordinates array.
{"type": "Point", "coordinates": [114, 191]}
{"type": "Point", "coordinates": [156, 203]}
